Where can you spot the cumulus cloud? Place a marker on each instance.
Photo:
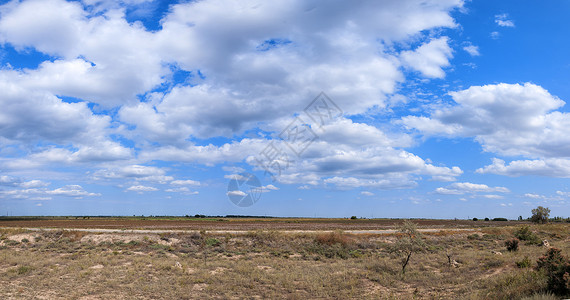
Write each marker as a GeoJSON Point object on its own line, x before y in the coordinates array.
{"type": "Point", "coordinates": [33, 184]}
{"type": "Point", "coordinates": [430, 58]}
{"type": "Point", "coordinates": [12, 181]}
{"type": "Point", "coordinates": [370, 156]}
{"type": "Point", "coordinates": [366, 193]}
{"type": "Point", "coordinates": [460, 188]}
{"type": "Point", "coordinates": [492, 196]}
{"type": "Point", "coordinates": [472, 50]}
{"type": "Point", "coordinates": [185, 182]}
{"type": "Point", "coordinates": [136, 172]}
{"type": "Point", "coordinates": [553, 167]}
{"type": "Point", "coordinates": [270, 187]}
{"type": "Point", "coordinates": [183, 190]}
{"type": "Point", "coordinates": [236, 193]}
{"type": "Point", "coordinates": [503, 20]}
{"type": "Point", "coordinates": [234, 82]}
{"type": "Point", "coordinates": [35, 190]}
{"type": "Point", "coordinates": [71, 191]}
{"type": "Point", "coordinates": [353, 182]}
{"type": "Point", "coordinates": [507, 119]}
{"type": "Point", "coordinates": [141, 189]}
{"type": "Point", "coordinates": [6, 180]}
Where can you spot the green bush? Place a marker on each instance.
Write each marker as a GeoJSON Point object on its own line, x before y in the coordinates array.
{"type": "Point", "coordinates": [514, 285]}
{"type": "Point", "coordinates": [557, 269]}
{"type": "Point", "coordinates": [525, 234]}
{"type": "Point", "coordinates": [474, 236]}
{"type": "Point", "coordinates": [329, 251]}
{"type": "Point", "coordinates": [212, 242]}
{"type": "Point", "coordinates": [486, 219]}
{"type": "Point", "coordinates": [524, 263]}
{"type": "Point", "coordinates": [500, 219]}
{"type": "Point", "coordinates": [24, 269]}
{"type": "Point", "coordinates": [475, 219]}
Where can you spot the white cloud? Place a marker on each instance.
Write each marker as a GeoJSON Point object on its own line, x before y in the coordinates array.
{"type": "Point", "coordinates": [134, 172]}
{"type": "Point", "coordinates": [233, 169]}
{"type": "Point", "coordinates": [429, 58]}
{"type": "Point", "coordinates": [340, 47]}
{"type": "Point", "coordinates": [236, 193]}
{"type": "Point", "coordinates": [42, 24]}
{"type": "Point", "coordinates": [270, 187]}
{"type": "Point", "coordinates": [255, 86]}
{"type": "Point", "coordinates": [508, 119]}
{"type": "Point", "coordinates": [446, 191]}
{"type": "Point", "coordinates": [6, 180]}
{"type": "Point", "coordinates": [554, 167]}
{"type": "Point", "coordinates": [178, 190]}
{"type": "Point", "coordinates": [460, 188]}
{"type": "Point", "coordinates": [472, 50]}
{"type": "Point", "coordinates": [352, 182]}
{"type": "Point", "coordinates": [364, 152]}
{"type": "Point", "coordinates": [141, 188]}
{"type": "Point", "coordinates": [325, 55]}
{"type": "Point", "coordinates": [183, 190]}
{"type": "Point", "coordinates": [33, 184]}
{"type": "Point", "coordinates": [185, 182]}
{"type": "Point", "coordinates": [71, 191]}
{"type": "Point", "coordinates": [495, 35]}
{"type": "Point", "coordinates": [208, 155]}
{"type": "Point", "coordinates": [22, 189]}
{"type": "Point", "coordinates": [503, 20]}
{"type": "Point", "coordinates": [366, 193]}
{"type": "Point", "coordinates": [534, 196]}
{"type": "Point", "coordinates": [492, 196]}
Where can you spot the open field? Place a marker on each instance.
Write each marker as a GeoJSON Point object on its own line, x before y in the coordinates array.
{"type": "Point", "coordinates": [264, 262]}
{"type": "Point", "coordinates": [237, 223]}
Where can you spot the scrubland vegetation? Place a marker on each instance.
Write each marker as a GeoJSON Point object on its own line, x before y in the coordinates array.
{"type": "Point", "coordinates": [271, 264]}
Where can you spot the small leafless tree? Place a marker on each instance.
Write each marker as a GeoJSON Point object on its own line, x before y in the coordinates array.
{"type": "Point", "coordinates": [410, 240]}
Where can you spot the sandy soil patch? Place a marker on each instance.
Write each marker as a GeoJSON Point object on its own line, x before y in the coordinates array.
{"type": "Point", "coordinates": [96, 267]}
{"type": "Point", "coordinates": [199, 287]}
{"type": "Point", "coordinates": [218, 270]}
{"type": "Point", "coordinates": [23, 236]}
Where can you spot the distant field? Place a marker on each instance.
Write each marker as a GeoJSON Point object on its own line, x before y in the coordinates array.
{"type": "Point", "coordinates": [238, 223]}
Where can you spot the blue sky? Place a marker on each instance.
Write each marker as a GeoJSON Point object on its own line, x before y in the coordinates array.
{"type": "Point", "coordinates": [438, 109]}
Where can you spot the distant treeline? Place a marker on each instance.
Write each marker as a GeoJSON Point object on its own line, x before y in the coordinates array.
{"type": "Point", "coordinates": [197, 216]}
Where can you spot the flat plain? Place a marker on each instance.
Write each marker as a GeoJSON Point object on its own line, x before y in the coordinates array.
{"type": "Point", "coordinates": [263, 258]}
